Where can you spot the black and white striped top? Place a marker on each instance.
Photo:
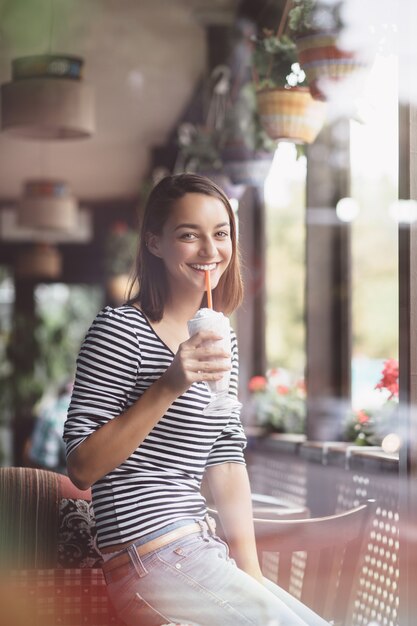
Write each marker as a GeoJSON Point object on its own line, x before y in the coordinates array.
{"type": "Point", "coordinates": [159, 483]}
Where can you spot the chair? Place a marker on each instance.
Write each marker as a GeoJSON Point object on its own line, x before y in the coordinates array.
{"type": "Point", "coordinates": [316, 559]}
{"type": "Point", "coordinates": [50, 572]}
{"type": "Point", "coordinates": [50, 568]}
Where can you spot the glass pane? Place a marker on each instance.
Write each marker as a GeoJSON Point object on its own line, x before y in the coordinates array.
{"type": "Point", "coordinates": [282, 406]}
{"type": "Point", "coordinates": [285, 258]}
{"type": "Point", "coordinates": [374, 172]}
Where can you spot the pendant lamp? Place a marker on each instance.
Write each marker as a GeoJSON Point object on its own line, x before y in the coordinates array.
{"type": "Point", "coordinates": [47, 99]}
{"type": "Point", "coordinates": [47, 204]}
{"type": "Point", "coordinates": [39, 261]}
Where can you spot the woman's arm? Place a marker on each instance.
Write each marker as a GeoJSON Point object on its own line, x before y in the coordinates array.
{"type": "Point", "coordinates": [110, 445]}
{"type": "Point", "coordinates": [229, 486]}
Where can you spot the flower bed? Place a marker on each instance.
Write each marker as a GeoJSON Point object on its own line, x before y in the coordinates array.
{"type": "Point", "coordinates": [278, 402]}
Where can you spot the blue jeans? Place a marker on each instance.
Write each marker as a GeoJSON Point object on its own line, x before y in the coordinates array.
{"type": "Point", "coordinates": [193, 580]}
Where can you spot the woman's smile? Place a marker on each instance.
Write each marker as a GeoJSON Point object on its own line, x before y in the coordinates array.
{"type": "Point", "coordinates": [203, 268]}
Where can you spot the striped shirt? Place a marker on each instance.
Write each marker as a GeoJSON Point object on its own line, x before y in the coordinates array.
{"type": "Point", "coordinates": [159, 483]}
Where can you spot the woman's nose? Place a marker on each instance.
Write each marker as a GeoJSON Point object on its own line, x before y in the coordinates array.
{"type": "Point", "coordinates": [208, 248]}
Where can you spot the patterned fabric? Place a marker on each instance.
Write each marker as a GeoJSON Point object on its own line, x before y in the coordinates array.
{"type": "Point", "coordinates": [77, 538]}
{"type": "Point", "coordinates": [121, 357]}
{"type": "Point", "coordinates": [56, 597]}
{"type": "Point", "coordinates": [28, 517]}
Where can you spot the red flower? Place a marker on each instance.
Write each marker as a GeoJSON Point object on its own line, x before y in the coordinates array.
{"type": "Point", "coordinates": [283, 390]}
{"type": "Point", "coordinates": [257, 383]}
{"type": "Point", "coordinates": [362, 417]}
{"type": "Point", "coordinates": [389, 379]}
{"type": "Point", "coordinates": [273, 372]}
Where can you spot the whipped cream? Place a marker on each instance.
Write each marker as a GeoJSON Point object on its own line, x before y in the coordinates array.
{"type": "Point", "coordinates": [202, 313]}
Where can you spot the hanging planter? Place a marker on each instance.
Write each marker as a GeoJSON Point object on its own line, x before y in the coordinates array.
{"type": "Point", "coordinates": [291, 114]}
{"type": "Point", "coordinates": [317, 27]}
{"type": "Point", "coordinates": [325, 63]}
{"type": "Point", "coordinates": [246, 150]}
{"type": "Point", "coordinates": [249, 171]}
{"type": "Point", "coordinates": [252, 172]}
{"type": "Point", "coordinates": [198, 144]}
{"type": "Point", "coordinates": [286, 109]}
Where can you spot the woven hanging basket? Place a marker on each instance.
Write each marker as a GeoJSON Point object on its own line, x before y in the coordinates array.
{"type": "Point", "coordinates": [323, 61]}
{"type": "Point", "coordinates": [291, 114]}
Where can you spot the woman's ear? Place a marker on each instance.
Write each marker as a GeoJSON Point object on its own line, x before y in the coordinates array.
{"type": "Point", "coordinates": [152, 243]}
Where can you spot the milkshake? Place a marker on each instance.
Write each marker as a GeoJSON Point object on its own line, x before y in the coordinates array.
{"type": "Point", "coordinates": [208, 319]}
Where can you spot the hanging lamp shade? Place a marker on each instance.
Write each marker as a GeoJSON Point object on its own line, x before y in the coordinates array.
{"type": "Point", "coordinates": [39, 261]}
{"type": "Point", "coordinates": [47, 204]}
{"type": "Point", "coordinates": [47, 99]}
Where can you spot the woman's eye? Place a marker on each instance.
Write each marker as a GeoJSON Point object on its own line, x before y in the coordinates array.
{"type": "Point", "coordinates": [222, 234]}
{"type": "Point", "coordinates": [188, 236]}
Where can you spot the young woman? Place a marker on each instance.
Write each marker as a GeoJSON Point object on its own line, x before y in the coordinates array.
{"type": "Point", "coordinates": [136, 432]}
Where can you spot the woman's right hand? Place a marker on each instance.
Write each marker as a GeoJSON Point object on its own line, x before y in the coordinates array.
{"type": "Point", "coordinates": [199, 358]}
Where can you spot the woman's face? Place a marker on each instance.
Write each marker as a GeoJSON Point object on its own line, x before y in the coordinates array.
{"type": "Point", "coordinates": [195, 238]}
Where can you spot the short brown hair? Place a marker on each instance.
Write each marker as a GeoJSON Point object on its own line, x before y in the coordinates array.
{"type": "Point", "coordinates": [150, 271]}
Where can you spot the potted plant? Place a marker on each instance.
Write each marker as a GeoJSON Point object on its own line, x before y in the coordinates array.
{"type": "Point", "coordinates": [199, 143]}
{"type": "Point", "coordinates": [369, 427]}
{"type": "Point", "coordinates": [230, 147]}
{"type": "Point", "coordinates": [278, 402]}
{"type": "Point", "coordinates": [246, 149]}
{"type": "Point", "coordinates": [119, 255]}
{"type": "Point", "coordinates": [317, 27]}
{"type": "Point", "coordinates": [198, 149]}
{"type": "Point", "coordinates": [287, 110]}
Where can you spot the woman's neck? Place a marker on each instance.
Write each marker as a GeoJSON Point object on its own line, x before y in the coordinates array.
{"type": "Point", "coordinates": [172, 328]}
{"type": "Point", "coordinates": [181, 309]}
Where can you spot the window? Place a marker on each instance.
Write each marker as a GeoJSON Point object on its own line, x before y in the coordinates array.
{"type": "Point", "coordinates": [374, 180]}
{"type": "Point", "coordinates": [285, 259]}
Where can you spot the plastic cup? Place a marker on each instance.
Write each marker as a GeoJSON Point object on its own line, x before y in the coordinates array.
{"type": "Point", "coordinates": [208, 319]}
{"type": "Point", "coordinates": [221, 403]}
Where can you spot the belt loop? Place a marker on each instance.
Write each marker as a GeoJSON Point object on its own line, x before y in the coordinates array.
{"type": "Point", "coordinates": [204, 528]}
{"type": "Point", "coordinates": [136, 561]}
{"type": "Point", "coordinates": [211, 524]}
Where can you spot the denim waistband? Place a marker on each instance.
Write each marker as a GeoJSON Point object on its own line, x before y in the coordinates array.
{"type": "Point", "coordinates": [154, 534]}
{"type": "Point", "coordinates": [165, 529]}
